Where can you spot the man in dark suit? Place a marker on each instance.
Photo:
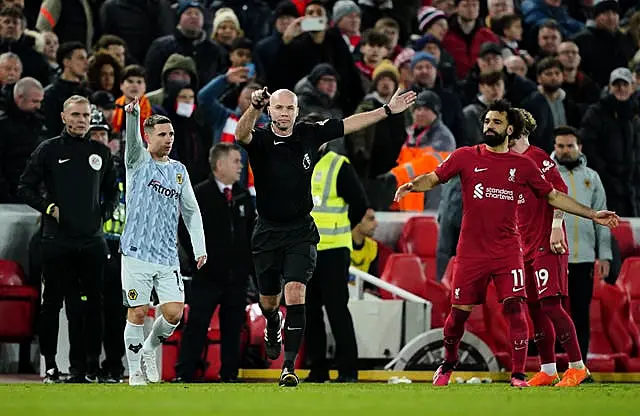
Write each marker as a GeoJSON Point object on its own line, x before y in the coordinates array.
{"type": "Point", "coordinates": [228, 216]}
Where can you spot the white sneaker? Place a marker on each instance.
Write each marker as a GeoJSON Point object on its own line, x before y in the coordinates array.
{"type": "Point", "coordinates": [150, 366]}
{"type": "Point", "coordinates": [137, 379]}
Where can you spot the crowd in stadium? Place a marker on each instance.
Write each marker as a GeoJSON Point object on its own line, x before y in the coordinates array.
{"type": "Point", "coordinates": [574, 66]}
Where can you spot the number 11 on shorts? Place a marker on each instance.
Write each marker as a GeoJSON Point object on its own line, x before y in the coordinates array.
{"type": "Point", "coordinates": [518, 278]}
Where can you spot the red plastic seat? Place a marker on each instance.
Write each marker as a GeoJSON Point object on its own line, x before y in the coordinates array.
{"type": "Point", "coordinates": [602, 357]}
{"type": "Point", "coordinates": [384, 251]}
{"type": "Point", "coordinates": [17, 301]}
{"type": "Point", "coordinates": [420, 237]}
{"type": "Point", "coordinates": [406, 272]}
{"type": "Point", "coordinates": [624, 237]}
{"type": "Point", "coordinates": [629, 280]}
{"type": "Point", "coordinates": [438, 295]}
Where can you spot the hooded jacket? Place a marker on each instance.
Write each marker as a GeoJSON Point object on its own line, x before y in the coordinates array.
{"type": "Point", "coordinates": [312, 100]}
{"type": "Point", "coordinates": [175, 61]}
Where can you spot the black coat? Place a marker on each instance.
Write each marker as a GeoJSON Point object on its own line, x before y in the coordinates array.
{"type": "Point", "coordinates": [227, 232]}
{"type": "Point", "coordinates": [54, 97]}
{"type": "Point", "coordinates": [33, 63]}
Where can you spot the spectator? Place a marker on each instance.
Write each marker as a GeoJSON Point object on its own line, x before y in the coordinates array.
{"type": "Point", "coordinates": [374, 10]}
{"type": "Point", "coordinates": [133, 85]}
{"type": "Point", "coordinates": [113, 45]}
{"type": "Point", "coordinates": [106, 104]}
{"type": "Point", "coordinates": [104, 73]}
{"type": "Point", "coordinates": [549, 39]}
{"type": "Point", "coordinates": [188, 40]}
{"type": "Point", "coordinates": [491, 89]}
{"type": "Point", "coordinates": [448, 7]}
{"type": "Point", "coordinates": [10, 72]}
{"type": "Point", "coordinates": [364, 255]}
{"type": "Point", "coordinates": [13, 39]}
{"type": "Point", "coordinates": [428, 130]}
{"type": "Point", "coordinates": [509, 29]}
{"type": "Point", "coordinates": [254, 16]}
{"type": "Point", "coordinates": [137, 23]}
{"type": "Point", "coordinates": [403, 65]}
{"type": "Point", "coordinates": [432, 21]}
{"type": "Point", "coordinates": [496, 10]}
{"type": "Point", "coordinates": [391, 29]}
{"type": "Point", "coordinates": [449, 222]}
{"type": "Point", "coordinates": [268, 47]}
{"type": "Point", "coordinates": [537, 12]}
{"type": "Point", "coordinates": [591, 241]}
{"type": "Point", "coordinates": [579, 87]}
{"type": "Point", "coordinates": [610, 132]}
{"type": "Point", "coordinates": [71, 20]}
{"type": "Point", "coordinates": [346, 17]}
{"type": "Point", "coordinates": [446, 65]}
{"type": "Point", "coordinates": [563, 109]}
{"type": "Point", "coordinates": [517, 66]}
{"type": "Point", "coordinates": [374, 48]}
{"type": "Point", "coordinates": [318, 93]}
{"type": "Point", "coordinates": [177, 68]}
{"type": "Point", "coordinates": [72, 57]}
{"type": "Point", "coordinates": [226, 28]}
{"type": "Point", "coordinates": [312, 48]}
{"type": "Point", "coordinates": [240, 54]}
{"type": "Point", "coordinates": [50, 53]}
{"type": "Point", "coordinates": [604, 47]}
{"type": "Point", "coordinates": [466, 35]}
{"type": "Point", "coordinates": [22, 129]}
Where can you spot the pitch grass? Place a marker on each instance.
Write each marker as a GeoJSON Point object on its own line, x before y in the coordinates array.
{"type": "Point", "coordinates": [346, 399]}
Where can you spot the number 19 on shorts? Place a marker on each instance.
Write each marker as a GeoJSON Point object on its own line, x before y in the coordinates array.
{"type": "Point", "coordinates": [518, 278]}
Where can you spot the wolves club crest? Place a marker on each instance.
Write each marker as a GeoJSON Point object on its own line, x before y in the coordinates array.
{"type": "Point", "coordinates": [179, 178]}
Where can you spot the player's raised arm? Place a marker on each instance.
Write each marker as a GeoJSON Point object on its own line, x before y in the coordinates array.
{"type": "Point", "coordinates": [134, 148]}
{"type": "Point", "coordinates": [193, 221]}
{"type": "Point", "coordinates": [259, 99]}
{"type": "Point", "coordinates": [564, 202]}
{"type": "Point", "coordinates": [422, 183]}
{"type": "Point", "coordinates": [397, 104]}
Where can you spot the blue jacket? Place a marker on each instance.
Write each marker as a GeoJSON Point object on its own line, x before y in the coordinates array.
{"type": "Point", "coordinates": [536, 12]}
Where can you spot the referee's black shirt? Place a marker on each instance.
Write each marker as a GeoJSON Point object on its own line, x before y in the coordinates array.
{"type": "Point", "coordinates": [282, 168]}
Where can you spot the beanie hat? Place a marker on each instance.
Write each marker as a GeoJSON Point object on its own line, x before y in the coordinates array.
{"type": "Point", "coordinates": [285, 8]}
{"type": "Point", "coordinates": [343, 8]}
{"type": "Point", "coordinates": [385, 68]}
{"type": "Point", "coordinates": [423, 56]}
{"type": "Point", "coordinates": [430, 100]}
{"type": "Point", "coordinates": [423, 41]}
{"type": "Point", "coordinates": [320, 71]}
{"type": "Point", "coordinates": [404, 57]}
{"type": "Point", "coordinates": [185, 4]}
{"type": "Point", "coordinates": [602, 6]}
{"type": "Point", "coordinates": [225, 15]}
{"type": "Point", "coordinates": [427, 16]}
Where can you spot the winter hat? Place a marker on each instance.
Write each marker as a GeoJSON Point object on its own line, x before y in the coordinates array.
{"type": "Point", "coordinates": [343, 8]}
{"type": "Point", "coordinates": [320, 71]}
{"type": "Point", "coordinates": [427, 16]}
{"type": "Point", "coordinates": [423, 56]}
{"type": "Point", "coordinates": [285, 8]}
{"type": "Point", "coordinates": [430, 100]}
{"type": "Point", "coordinates": [423, 41]}
{"type": "Point", "coordinates": [602, 6]}
{"type": "Point", "coordinates": [404, 57]}
{"type": "Point", "coordinates": [385, 68]}
{"type": "Point", "coordinates": [225, 15]}
{"type": "Point", "coordinates": [184, 5]}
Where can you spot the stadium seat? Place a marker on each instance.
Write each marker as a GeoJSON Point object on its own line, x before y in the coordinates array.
{"type": "Point", "coordinates": [384, 251]}
{"type": "Point", "coordinates": [624, 237]}
{"type": "Point", "coordinates": [17, 301]}
{"type": "Point", "coordinates": [602, 357]}
{"type": "Point", "coordinates": [447, 278]}
{"type": "Point", "coordinates": [420, 237]}
{"type": "Point", "coordinates": [406, 272]}
{"type": "Point", "coordinates": [438, 295]}
{"type": "Point", "coordinates": [629, 280]}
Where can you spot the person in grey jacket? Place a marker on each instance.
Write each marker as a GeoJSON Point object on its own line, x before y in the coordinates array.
{"type": "Point", "coordinates": [449, 223]}
{"type": "Point", "coordinates": [587, 241]}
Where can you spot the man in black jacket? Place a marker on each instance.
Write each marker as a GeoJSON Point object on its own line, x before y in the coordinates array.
{"type": "Point", "coordinates": [76, 173]}
{"type": "Point", "coordinates": [228, 215]}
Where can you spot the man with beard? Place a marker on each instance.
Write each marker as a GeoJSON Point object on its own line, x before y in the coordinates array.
{"type": "Point", "coordinates": [545, 268]}
{"type": "Point", "coordinates": [550, 78]}
{"type": "Point", "coordinates": [492, 177]}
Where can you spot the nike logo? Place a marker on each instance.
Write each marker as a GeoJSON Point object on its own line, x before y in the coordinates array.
{"type": "Point", "coordinates": [277, 143]}
{"type": "Point", "coordinates": [520, 348]}
{"type": "Point", "coordinates": [61, 161]}
{"type": "Point", "coordinates": [540, 292]}
{"type": "Point", "coordinates": [479, 170]}
{"type": "Point", "coordinates": [293, 329]}
{"type": "Point", "coordinates": [518, 289]}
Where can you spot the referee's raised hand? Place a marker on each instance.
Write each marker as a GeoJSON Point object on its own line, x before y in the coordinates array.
{"type": "Point", "coordinates": [400, 102]}
{"type": "Point", "coordinates": [133, 105]}
{"type": "Point", "coordinates": [260, 98]}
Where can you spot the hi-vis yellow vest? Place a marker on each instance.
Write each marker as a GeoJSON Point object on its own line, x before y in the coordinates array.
{"type": "Point", "coordinates": [330, 212]}
{"type": "Point", "coordinates": [114, 226]}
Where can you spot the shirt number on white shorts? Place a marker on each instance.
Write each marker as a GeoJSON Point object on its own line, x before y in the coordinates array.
{"type": "Point", "coordinates": [542, 277]}
{"type": "Point", "coordinates": [518, 278]}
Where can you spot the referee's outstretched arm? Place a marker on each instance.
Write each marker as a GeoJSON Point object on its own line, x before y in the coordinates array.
{"type": "Point", "coordinates": [397, 104]}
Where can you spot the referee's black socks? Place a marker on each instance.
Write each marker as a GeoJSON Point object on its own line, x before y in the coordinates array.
{"type": "Point", "coordinates": [293, 332]}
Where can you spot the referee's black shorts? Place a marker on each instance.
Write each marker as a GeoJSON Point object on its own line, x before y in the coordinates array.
{"type": "Point", "coordinates": [284, 251]}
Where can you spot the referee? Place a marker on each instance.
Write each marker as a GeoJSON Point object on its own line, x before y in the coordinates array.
{"type": "Point", "coordinates": [283, 155]}
{"type": "Point", "coordinates": [76, 173]}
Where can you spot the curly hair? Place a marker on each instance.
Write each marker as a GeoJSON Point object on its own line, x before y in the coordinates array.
{"type": "Point", "coordinates": [96, 62]}
{"type": "Point", "coordinates": [528, 122]}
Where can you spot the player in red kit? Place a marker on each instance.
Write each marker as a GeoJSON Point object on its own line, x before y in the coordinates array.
{"type": "Point", "coordinates": [492, 177]}
{"type": "Point", "coordinates": [546, 264]}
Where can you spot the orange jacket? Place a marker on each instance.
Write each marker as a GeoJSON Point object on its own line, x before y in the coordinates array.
{"type": "Point", "coordinates": [118, 116]}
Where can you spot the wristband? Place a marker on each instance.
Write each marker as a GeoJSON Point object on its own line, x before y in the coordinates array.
{"type": "Point", "coordinates": [50, 208]}
{"type": "Point", "coordinates": [557, 223]}
{"type": "Point", "coordinates": [387, 109]}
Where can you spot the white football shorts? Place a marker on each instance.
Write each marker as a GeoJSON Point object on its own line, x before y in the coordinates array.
{"type": "Point", "coordinates": [140, 277]}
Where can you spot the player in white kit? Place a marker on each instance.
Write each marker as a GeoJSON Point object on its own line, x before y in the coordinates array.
{"type": "Point", "coordinates": [158, 191]}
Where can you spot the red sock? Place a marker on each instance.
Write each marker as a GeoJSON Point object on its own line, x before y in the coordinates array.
{"type": "Point", "coordinates": [453, 332]}
{"type": "Point", "coordinates": [513, 310]}
{"type": "Point", "coordinates": [565, 330]}
{"type": "Point", "coordinates": [545, 335]}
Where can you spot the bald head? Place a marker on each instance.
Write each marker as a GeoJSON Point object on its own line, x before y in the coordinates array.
{"type": "Point", "coordinates": [283, 96]}
{"type": "Point", "coordinates": [283, 110]}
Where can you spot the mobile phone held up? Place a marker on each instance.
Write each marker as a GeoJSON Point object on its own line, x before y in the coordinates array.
{"type": "Point", "coordinates": [313, 24]}
{"type": "Point", "coordinates": [251, 67]}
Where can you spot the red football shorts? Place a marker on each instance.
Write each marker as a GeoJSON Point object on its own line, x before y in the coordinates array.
{"type": "Point", "coordinates": [547, 275]}
{"type": "Point", "coordinates": [471, 277]}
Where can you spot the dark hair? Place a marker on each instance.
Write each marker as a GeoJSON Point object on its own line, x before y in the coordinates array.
{"type": "Point", "coordinates": [567, 131]}
{"type": "Point", "coordinates": [134, 71]}
{"type": "Point", "coordinates": [317, 3]}
{"type": "Point", "coordinates": [107, 40]}
{"type": "Point", "coordinates": [96, 62]}
{"type": "Point", "coordinates": [12, 11]}
{"type": "Point", "coordinates": [241, 43]}
{"type": "Point", "coordinates": [548, 63]}
{"type": "Point", "coordinates": [65, 51]}
{"type": "Point", "coordinates": [550, 24]}
{"type": "Point", "coordinates": [373, 37]}
{"type": "Point", "coordinates": [491, 78]}
{"type": "Point", "coordinates": [513, 116]}
{"type": "Point", "coordinates": [499, 25]}
{"type": "Point", "coordinates": [219, 150]}
{"type": "Point", "coordinates": [152, 121]}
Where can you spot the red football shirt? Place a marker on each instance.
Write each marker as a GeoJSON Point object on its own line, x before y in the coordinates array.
{"type": "Point", "coordinates": [491, 183]}
{"type": "Point", "coordinates": [535, 215]}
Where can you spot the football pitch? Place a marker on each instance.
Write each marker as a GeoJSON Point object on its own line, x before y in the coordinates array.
{"type": "Point", "coordinates": [326, 399]}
